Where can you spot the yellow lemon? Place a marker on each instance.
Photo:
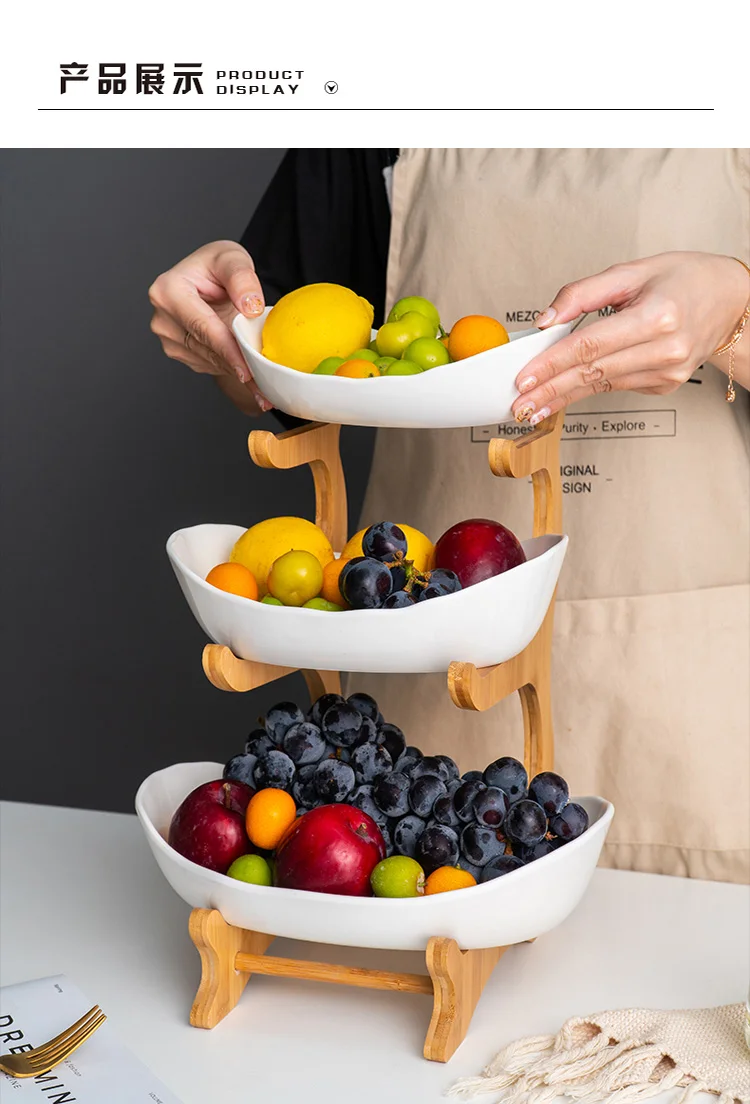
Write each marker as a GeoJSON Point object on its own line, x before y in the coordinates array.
{"type": "Point", "coordinates": [262, 544]}
{"type": "Point", "coordinates": [315, 322]}
{"type": "Point", "coordinates": [419, 548]}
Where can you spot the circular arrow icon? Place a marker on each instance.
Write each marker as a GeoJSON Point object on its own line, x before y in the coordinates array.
{"type": "Point", "coordinates": [331, 87]}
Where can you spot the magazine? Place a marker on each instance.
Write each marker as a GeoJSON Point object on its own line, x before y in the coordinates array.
{"type": "Point", "coordinates": [102, 1071]}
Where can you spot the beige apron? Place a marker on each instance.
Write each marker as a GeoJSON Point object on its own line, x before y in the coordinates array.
{"type": "Point", "coordinates": [650, 665]}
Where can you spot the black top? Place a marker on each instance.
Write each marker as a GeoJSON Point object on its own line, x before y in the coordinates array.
{"type": "Point", "coordinates": [324, 218]}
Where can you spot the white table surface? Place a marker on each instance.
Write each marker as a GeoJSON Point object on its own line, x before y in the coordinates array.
{"type": "Point", "coordinates": [82, 896]}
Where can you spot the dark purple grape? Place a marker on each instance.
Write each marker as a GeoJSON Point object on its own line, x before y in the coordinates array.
{"type": "Point", "coordinates": [451, 766]}
{"type": "Point", "coordinates": [472, 776]}
{"type": "Point", "coordinates": [303, 787]}
{"type": "Point", "coordinates": [275, 769]}
{"type": "Point", "coordinates": [430, 592]}
{"type": "Point", "coordinates": [424, 792]}
{"type": "Point", "coordinates": [241, 768]}
{"type": "Point", "coordinates": [362, 798]}
{"type": "Point", "coordinates": [370, 761]}
{"type": "Point", "coordinates": [432, 764]}
{"type": "Point", "coordinates": [385, 832]}
{"type": "Point", "coordinates": [508, 775]}
{"type": "Point", "coordinates": [280, 718]}
{"type": "Point", "coordinates": [334, 780]}
{"type": "Point", "coordinates": [391, 793]}
{"type": "Point", "coordinates": [398, 577]}
{"type": "Point", "coordinates": [393, 738]}
{"type": "Point", "coordinates": [399, 599]}
{"type": "Point", "coordinates": [406, 833]}
{"type": "Point", "coordinates": [346, 569]}
{"type": "Point", "coordinates": [503, 864]}
{"type": "Point", "coordinates": [444, 811]}
{"type": "Point", "coordinates": [490, 807]}
{"type": "Point", "coordinates": [365, 705]}
{"type": "Point", "coordinates": [464, 798]}
{"type": "Point", "coordinates": [525, 822]}
{"type": "Point", "coordinates": [322, 705]}
{"type": "Point", "coordinates": [571, 823]}
{"type": "Point", "coordinates": [368, 733]}
{"type": "Point", "coordinates": [480, 845]}
{"type": "Point", "coordinates": [304, 744]}
{"type": "Point", "coordinates": [366, 585]}
{"type": "Point", "coordinates": [406, 763]}
{"type": "Point", "coordinates": [441, 582]}
{"type": "Point", "coordinates": [342, 725]}
{"type": "Point", "coordinates": [333, 752]}
{"type": "Point", "coordinates": [536, 851]}
{"type": "Point", "coordinates": [470, 867]}
{"type": "Point", "coordinates": [258, 742]}
{"type": "Point", "coordinates": [383, 541]}
{"type": "Point", "coordinates": [442, 577]}
{"type": "Point", "coordinates": [549, 790]}
{"type": "Point", "coordinates": [437, 846]}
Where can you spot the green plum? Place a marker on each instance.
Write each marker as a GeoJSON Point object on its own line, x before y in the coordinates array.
{"type": "Point", "coordinates": [364, 354]}
{"type": "Point", "coordinates": [394, 338]}
{"type": "Point", "coordinates": [251, 868]}
{"type": "Point", "coordinates": [403, 368]}
{"type": "Point", "coordinates": [323, 604]}
{"type": "Point", "coordinates": [269, 600]}
{"type": "Point", "coordinates": [428, 352]}
{"type": "Point", "coordinates": [398, 876]}
{"type": "Point", "coordinates": [373, 346]}
{"type": "Point", "coordinates": [415, 303]}
{"type": "Point", "coordinates": [328, 366]}
{"type": "Point", "coordinates": [384, 362]}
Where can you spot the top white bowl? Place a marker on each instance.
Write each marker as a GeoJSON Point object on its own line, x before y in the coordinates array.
{"type": "Point", "coordinates": [477, 391]}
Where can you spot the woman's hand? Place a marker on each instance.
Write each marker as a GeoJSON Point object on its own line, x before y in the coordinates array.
{"type": "Point", "coordinates": [194, 303]}
{"type": "Point", "coordinates": [672, 312]}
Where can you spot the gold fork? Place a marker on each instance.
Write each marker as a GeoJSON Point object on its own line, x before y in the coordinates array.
{"type": "Point", "coordinates": [43, 1058]}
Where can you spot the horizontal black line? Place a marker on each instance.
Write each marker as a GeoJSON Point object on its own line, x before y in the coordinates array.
{"type": "Point", "coordinates": [376, 109]}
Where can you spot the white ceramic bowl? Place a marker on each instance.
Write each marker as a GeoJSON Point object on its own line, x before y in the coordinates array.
{"type": "Point", "coordinates": [476, 391]}
{"type": "Point", "coordinates": [484, 624]}
{"type": "Point", "coordinates": [519, 906]}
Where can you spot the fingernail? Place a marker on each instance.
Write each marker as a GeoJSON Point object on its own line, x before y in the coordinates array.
{"type": "Point", "coordinates": [540, 416]}
{"type": "Point", "coordinates": [547, 316]}
{"type": "Point", "coordinates": [241, 374]}
{"type": "Point", "coordinates": [252, 304]}
{"type": "Point", "coordinates": [264, 404]}
{"type": "Point", "coordinates": [527, 384]}
{"type": "Point", "coordinates": [524, 412]}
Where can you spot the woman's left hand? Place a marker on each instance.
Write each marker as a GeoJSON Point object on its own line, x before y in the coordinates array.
{"type": "Point", "coordinates": [672, 311]}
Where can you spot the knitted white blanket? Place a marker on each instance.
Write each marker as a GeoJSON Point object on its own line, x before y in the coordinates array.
{"type": "Point", "coordinates": [624, 1057]}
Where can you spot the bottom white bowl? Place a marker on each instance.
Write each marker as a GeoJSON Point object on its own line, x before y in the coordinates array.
{"type": "Point", "coordinates": [511, 909]}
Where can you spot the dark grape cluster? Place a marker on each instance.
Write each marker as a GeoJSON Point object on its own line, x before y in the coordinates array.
{"type": "Point", "coordinates": [384, 578]}
{"type": "Point", "coordinates": [488, 822]}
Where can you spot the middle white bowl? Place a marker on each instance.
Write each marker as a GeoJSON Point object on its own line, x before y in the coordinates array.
{"type": "Point", "coordinates": [485, 624]}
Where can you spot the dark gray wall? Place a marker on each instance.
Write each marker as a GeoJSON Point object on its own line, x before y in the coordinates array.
{"type": "Point", "coordinates": [107, 447]}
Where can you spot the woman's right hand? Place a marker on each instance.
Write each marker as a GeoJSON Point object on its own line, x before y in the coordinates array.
{"type": "Point", "coordinates": [194, 303]}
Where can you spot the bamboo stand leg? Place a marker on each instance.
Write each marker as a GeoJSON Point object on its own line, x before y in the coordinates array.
{"type": "Point", "coordinates": [229, 955]}
{"type": "Point", "coordinates": [459, 978]}
{"type": "Point", "coordinates": [470, 687]}
{"type": "Point", "coordinates": [221, 984]}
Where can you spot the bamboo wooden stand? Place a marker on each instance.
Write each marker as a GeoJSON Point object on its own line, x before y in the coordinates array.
{"type": "Point", "coordinates": [455, 978]}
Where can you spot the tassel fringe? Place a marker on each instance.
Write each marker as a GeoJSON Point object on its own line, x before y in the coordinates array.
{"type": "Point", "coordinates": [582, 1063]}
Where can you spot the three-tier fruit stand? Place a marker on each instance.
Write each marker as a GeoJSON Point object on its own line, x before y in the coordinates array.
{"type": "Point", "coordinates": [455, 978]}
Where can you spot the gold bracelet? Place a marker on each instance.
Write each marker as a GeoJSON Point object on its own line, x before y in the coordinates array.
{"type": "Point", "coordinates": [733, 340]}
